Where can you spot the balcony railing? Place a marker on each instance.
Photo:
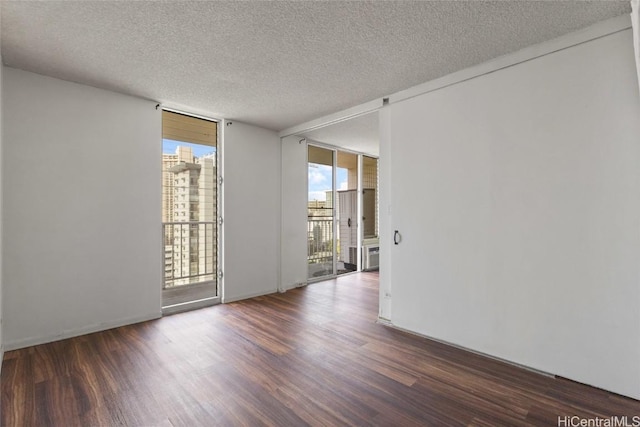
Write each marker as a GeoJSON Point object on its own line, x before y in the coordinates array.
{"type": "Point", "coordinates": [320, 239]}
{"type": "Point", "coordinates": [190, 252]}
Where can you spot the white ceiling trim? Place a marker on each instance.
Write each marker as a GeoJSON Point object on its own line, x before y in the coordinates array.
{"type": "Point", "coordinates": [332, 119]}
{"type": "Point", "coordinates": [600, 29]}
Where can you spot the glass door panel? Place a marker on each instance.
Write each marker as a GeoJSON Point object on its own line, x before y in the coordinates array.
{"type": "Point", "coordinates": [347, 212]}
{"type": "Point", "coordinates": [320, 213]}
{"type": "Point", "coordinates": [370, 240]}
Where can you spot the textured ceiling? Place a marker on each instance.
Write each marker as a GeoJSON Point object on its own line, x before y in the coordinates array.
{"type": "Point", "coordinates": [275, 64]}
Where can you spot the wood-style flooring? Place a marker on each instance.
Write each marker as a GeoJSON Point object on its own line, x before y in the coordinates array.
{"type": "Point", "coordinates": [311, 356]}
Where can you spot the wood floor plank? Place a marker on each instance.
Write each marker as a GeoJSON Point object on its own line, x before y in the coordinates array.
{"type": "Point", "coordinates": [311, 356]}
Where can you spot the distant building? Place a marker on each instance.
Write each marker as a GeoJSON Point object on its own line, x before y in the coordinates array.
{"type": "Point", "coordinates": [317, 208]}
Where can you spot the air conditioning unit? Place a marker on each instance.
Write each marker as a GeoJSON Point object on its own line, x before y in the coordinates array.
{"type": "Point", "coordinates": [371, 257]}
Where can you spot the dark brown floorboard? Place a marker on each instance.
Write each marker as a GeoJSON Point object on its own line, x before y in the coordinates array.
{"type": "Point", "coordinates": [311, 356]}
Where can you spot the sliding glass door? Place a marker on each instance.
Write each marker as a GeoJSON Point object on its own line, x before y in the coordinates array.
{"type": "Point", "coordinates": [347, 209]}
{"type": "Point", "coordinates": [321, 227]}
{"type": "Point", "coordinates": [333, 212]}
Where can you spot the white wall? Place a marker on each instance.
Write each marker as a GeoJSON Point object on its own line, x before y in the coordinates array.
{"type": "Point", "coordinates": [251, 206]}
{"type": "Point", "coordinates": [293, 257]}
{"type": "Point", "coordinates": [81, 186]}
{"type": "Point", "coordinates": [517, 194]}
{"type": "Point", "coordinates": [1, 133]}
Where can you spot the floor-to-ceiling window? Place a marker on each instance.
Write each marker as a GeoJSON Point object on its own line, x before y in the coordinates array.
{"type": "Point", "coordinates": [320, 213]}
{"type": "Point", "coordinates": [189, 210]}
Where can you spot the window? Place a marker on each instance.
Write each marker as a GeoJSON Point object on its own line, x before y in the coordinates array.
{"type": "Point", "coordinates": [189, 168]}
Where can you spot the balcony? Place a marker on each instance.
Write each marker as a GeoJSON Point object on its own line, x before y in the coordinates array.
{"type": "Point", "coordinates": [320, 245]}
{"type": "Point", "coordinates": [190, 253]}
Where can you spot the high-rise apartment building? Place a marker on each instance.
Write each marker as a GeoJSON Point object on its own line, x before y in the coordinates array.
{"type": "Point", "coordinates": [189, 214]}
{"type": "Point", "coordinates": [207, 214]}
{"type": "Point", "coordinates": [182, 154]}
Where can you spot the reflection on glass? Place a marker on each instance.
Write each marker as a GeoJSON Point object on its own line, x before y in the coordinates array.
{"type": "Point", "coordinates": [347, 212]}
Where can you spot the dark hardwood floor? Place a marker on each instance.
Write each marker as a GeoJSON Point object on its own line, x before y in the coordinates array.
{"type": "Point", "coordinates": [311, 356]}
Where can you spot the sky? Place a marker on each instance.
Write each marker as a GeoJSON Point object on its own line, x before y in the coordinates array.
{"type": "Point", "coordinates": [169, 147]}
{"type": "Point", "coordinates": [320, 177]}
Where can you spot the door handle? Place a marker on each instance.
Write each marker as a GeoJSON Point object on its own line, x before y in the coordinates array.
{"type": "Point", "coordinates": [396, 237]}
{"type": "Point", "coordinates": [349, 222]}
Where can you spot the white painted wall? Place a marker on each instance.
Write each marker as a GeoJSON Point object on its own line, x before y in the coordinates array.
{"type": "Point", "coordinates": [1, 133]}
{"type": "Point", "coordinates": [294, 268]}
{"type": "Point", "coordinates": [251, 206]}
{"type": "Point", "coordinates": [81, 214]}
{"type": "Point", "coordinates": [517, 194]}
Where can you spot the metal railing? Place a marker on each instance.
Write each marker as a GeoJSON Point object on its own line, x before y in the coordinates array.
{"type": "Point", "coordinates": [320, 239]}
{"type": "Point", "coordinates": [190, 252]}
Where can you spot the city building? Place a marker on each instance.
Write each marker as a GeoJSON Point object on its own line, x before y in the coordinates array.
{"type": "Point", "coordinates": [182, 154]}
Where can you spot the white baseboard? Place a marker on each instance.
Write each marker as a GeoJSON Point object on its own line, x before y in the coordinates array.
{"type": "Point", "coordinates": [31, 341]}
{"type": "Point", "coordinates": [293, 286]}
{"type": "Point", "coordinates": [389, 324]}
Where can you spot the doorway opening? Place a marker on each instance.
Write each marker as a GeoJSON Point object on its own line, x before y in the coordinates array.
{"type": "Point", "coordinates": [341, 212]}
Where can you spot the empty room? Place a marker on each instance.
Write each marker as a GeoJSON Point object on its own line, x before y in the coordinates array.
{"type": "Point", "coordinates": [336, 213]}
